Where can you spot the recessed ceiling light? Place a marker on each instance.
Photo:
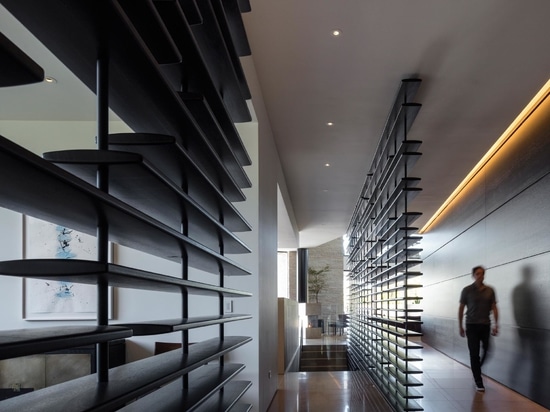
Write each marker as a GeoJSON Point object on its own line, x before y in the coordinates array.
{"type": "Point", "coordinates": [330, 124]}
{"type": "Point", "coordinates": [336, 33]}
{"type": "Point", "coordinates": [327, 164]}
{"type": "Point", "coordinates": [50, 79]}
{"type": "Point", "coordinates": [325, 190]}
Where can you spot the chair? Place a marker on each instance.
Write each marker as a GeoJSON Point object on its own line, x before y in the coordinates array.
{"type": "Point", "coordinates": [341, 324]}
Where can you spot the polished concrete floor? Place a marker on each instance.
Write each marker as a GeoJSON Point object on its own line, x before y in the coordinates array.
{"type": "Point", "coordinates": [448, 387]}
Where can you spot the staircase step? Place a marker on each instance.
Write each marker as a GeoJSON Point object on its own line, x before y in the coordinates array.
{"type": "Point", "coordinates": [319, 358]}
{"type": "Point", "coordinates": [323, 362]}
{"type": "Point", "coordinates": [323, 368]}
{"type": "Point", "coordinates": [309, 348]}
{"type": "Point", "coordinates": [324, 355]}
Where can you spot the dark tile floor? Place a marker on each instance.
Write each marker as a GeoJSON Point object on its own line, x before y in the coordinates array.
{"type": "Point", "coordinates": [448, 387]}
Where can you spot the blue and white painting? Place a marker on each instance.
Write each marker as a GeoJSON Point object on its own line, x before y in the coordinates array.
{"type": "Point", "coordinates": [46, 299]}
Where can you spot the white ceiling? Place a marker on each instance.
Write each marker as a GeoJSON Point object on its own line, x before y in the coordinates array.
{"type": "Point", "coordinates": [480, 62]}
{"type": "Point", "coordinates": [67, 100]}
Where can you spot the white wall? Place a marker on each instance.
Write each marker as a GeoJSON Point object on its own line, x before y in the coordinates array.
{"type": "Point", "coordinates": [264, 243]}
{"type": "Point", "coordinates": [260, 209]}
{"type": "Point", "coordinates": [250, 353]}
{"type": "Point", "coordinates": [38, 137]}
{"type": "Point", "coordinates": [45, 136]}
{"type": "Point", "coordinates": [11, 290]}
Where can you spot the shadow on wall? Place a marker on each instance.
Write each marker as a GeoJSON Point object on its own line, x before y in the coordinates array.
{"type": "Point", "coordinates": [528, 370]}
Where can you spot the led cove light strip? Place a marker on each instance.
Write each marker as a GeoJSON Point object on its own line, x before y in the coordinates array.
{"type": "Point", "coordinates": [543, 93]}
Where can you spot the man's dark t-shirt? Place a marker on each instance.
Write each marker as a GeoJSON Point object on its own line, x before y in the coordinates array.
{"type": "Point", "coordinates": [478, 303]}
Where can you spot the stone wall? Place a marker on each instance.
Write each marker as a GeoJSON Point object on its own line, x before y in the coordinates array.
{"type": "Point", "coordinates": [292, 275]}
{"type": "Point", "coordinates": [332, 298]}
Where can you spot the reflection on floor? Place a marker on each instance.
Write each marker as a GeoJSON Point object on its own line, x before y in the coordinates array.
{"type": "Point", "coordinates": [448, 387]}
{"type": "Point", "coordinates": [323, 355]}
{"type": "Point", "coordinates": [327, 340]}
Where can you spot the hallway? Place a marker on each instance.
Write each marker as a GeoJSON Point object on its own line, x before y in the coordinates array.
{"type": "Point", "coordinates": [448, 387]}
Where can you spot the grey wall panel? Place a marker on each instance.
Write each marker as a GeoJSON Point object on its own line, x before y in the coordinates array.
{"type": "Point", "coordinates": [520, 163]}
{"type": "Point", "coordinates": [442, 333]}
{"type": "Point", "coordinates": [503, 223]}
{"type": "Point", "coordinates": [521, 227]}
{"type": "Point", "coordinates": [461, 214]}
{"type": "Point", "coordinates": [447, 259]}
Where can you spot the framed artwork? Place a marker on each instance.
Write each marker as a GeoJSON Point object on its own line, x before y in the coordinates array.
{"type": "Point", "coordinates": [58, 300]}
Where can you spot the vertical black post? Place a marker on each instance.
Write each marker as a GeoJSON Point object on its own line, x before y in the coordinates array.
{"type": "Point", "coordinates": [185, 294]}
{"type": "Point", "coordinates": [221, 302]}
{"type": "Point", "coordinates": [185, 276]}
{"type": "Point", "coordinates": [185, 313]}
{"type": "Point", "coordinates": [102, 349]}
{"type": "Point", "coordinates": [302, 275]}
{"type": "Point", "coordinates": [102, 90]}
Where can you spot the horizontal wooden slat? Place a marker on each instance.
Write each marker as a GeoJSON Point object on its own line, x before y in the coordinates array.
{"type": "Point", "coordinates": [222, 61]}
{"type": "Point", "coordinates": [405, 379]}
{"type": "Point", "coordinates": [23, 342]}
{"type": "Point", "coordinates": [16, 67]}
{"type": "Point", "coordinates": [400, 239]}
{"type": "Point", "coordinates": [399, 123]}
{"type": "Point", "coordinates": [203, 383]}
{"type": "Point", "coordinates": [200, 109]}
{"type": "Point", "coordinates": [382, 362]}
{"type": "Point", "coordinates": [140, 184]}
{"type": "Point", "coordinates": [232, 109]}
{"type": "Point", "coordinates": [393, 321]}
{"type": "Point", "coordinates": [403, 157]}
{"type": "Point", "coordinates": [398, 277]}
{"type": "Point", "coordinates": [400, 309]}
{"type": "Point", "coordinates": [126, 382]}
{"type": "Point", "coordinates": [379, 293]}
{"type": "Point", "coordinates": [244, 6]}
{"type": "Point", "coordinates": [140, 94]}
{"type": "Point", "coordinates": [388, 203]}
{"type": "Point", "coordinates": [403, 391]}
{"type": "Point", "coordinates": [233, 31]}
{"type": "Point", "coordinates": [236, 26]}
{"type": "Point", "coordinates": [90, 272]}
{"type": "Point", "coordinates": [396, 331]}
{"type": "Point", "coordinates": [405, 94]}
{"type": "Point", "coordinates": [33, 186]}
{"type": "Point", "coordinates": [191, 11]}
{"type": "Point", "coordinates": [380, 271]}
{"type": "Point", "coordinates": [397, 256]}
{"type": "Point", "coordinates": [172, 159]}
{"type": "Point", "coordinates": [404, 220]}
{"type": "Point", "coordinates": [409, 405]}
{"type": "Point", "coordinates": [241, 407]}
{"type": "Point", "coordinates": [145, 19]}
{"type": "Point", "coordinates": [175, 325]}
{"type": "Point", "coordinates": [226, 400]}
{"type": "Point", "coordinates": [402, 343]}
{"type": "Point", "coordinates": [389, 350]}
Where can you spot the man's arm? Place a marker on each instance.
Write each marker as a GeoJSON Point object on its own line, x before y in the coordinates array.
{"type": "Point", "coordinates": [460, 317]}
{"type": "Point", "coordinates": [495, 316]}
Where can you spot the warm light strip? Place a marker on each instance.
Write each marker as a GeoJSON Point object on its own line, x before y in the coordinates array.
{"type": "Point", "coordinates": [543, 93]}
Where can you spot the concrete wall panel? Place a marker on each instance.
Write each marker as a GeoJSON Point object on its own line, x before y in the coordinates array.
{"type": "Point", "coordinates": [503, 223]}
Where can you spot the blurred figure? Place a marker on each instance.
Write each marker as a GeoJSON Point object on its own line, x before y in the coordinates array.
{"type": "Point", "coordinates": [479, 300]}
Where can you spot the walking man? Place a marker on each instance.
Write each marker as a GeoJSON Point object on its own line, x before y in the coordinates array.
{"type": "Point", "coordinates": [479, 300]}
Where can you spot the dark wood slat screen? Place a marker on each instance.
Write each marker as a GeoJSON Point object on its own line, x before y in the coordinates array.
{"type": "Point", "coordinates": [166, 190]}
{"type": "Point", "coordinates": [381, 259]}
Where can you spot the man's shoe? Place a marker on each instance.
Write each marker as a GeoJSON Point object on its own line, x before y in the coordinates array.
{"type": "Point", "coordinates": [480, 387]}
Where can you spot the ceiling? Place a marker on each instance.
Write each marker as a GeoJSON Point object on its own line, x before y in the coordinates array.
{"type": "Point", "coordinates": [480, 63]}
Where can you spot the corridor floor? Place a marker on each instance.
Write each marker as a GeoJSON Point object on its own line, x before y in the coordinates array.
{"type": "Point", "coordinates": [448, 387]}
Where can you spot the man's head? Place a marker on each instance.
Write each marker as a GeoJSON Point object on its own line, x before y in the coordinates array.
{"type": "Point", "coordinates": [478, 273]}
